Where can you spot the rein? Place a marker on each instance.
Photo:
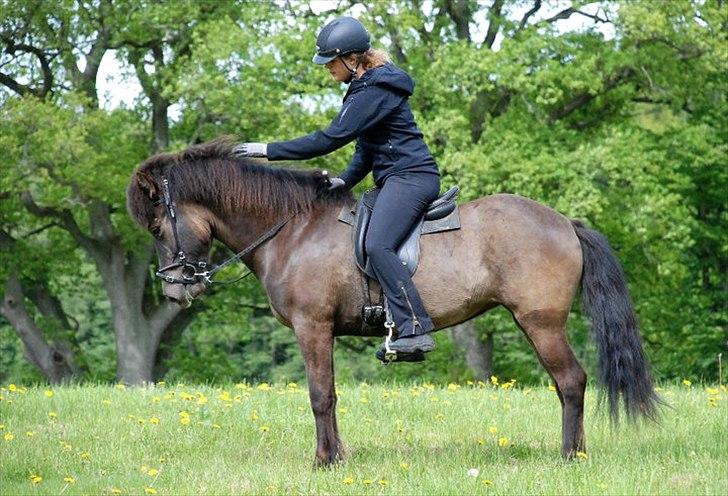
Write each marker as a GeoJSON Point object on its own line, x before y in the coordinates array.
{"type": "Point", "coordinates": [199, 271]}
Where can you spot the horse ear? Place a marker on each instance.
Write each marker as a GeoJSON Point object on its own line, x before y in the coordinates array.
{"type": "Point", "coordinates": [147, 185]}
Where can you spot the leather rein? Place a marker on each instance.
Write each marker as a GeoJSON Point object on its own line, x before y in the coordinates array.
{"type": "Point", "coordinates": [199, 271]}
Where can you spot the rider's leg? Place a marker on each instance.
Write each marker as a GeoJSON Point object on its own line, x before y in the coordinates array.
{"type": "Point", "coordinates": [400, 204]}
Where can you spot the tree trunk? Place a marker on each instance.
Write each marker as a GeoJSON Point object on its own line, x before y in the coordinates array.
{"type": "Point", "coordinates": [478, 354]}
{"type": "Point", "coordinates": [53, 358]}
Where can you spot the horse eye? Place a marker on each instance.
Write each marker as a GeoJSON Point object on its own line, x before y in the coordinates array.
{"type": "Point", "coordinates": [156, 232]}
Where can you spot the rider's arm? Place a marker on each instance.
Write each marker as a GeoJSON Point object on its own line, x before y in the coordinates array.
{"type": "Point", "coordinates": [360, 165]}
{"type": "Point", "coordinates": [360, 112]}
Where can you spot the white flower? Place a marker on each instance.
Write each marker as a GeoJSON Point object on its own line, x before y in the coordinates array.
{"type": "Point", "coordinates": [473, 472]}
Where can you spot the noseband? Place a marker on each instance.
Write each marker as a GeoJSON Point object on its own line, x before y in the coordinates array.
{"type": "Point", "coordinates": [195, 272]}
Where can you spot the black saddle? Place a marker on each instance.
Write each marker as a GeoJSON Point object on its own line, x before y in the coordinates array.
{"type": "Point", "coordinates": [441, 215]}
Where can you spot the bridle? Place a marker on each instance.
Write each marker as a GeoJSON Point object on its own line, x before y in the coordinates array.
{"type": "Point", "coordinates": [198, 271]}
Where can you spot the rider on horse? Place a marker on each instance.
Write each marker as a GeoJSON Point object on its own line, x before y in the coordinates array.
{"type": "Point", "coordinates": [376, 113]}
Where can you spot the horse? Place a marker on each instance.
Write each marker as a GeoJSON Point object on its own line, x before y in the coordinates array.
{"type": "Point", "coordinates": [510, 251]}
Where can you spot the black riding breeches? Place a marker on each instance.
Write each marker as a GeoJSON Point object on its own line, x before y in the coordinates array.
{"type": "Point", "coordinates": [401, 202]}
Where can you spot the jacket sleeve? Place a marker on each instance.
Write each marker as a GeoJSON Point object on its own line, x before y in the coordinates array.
{"type": "Point", "coordinates": [360, 111]}
{"type": "Point", "coordinates": [360, 165]}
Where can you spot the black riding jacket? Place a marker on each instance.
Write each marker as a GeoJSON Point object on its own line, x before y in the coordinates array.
{"type": "Point", "coordinates": [377, 114]}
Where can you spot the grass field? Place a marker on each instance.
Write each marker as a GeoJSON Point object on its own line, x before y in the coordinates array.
{"type": "Point", "coordinates": [406, 439]}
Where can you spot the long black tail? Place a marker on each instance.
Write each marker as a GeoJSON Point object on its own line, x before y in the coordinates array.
{"type": "Point", "coordinates": [623, 367]}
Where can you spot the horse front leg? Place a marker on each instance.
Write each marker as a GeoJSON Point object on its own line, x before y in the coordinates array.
{"type": "Point", "coordinates": [316, 340]}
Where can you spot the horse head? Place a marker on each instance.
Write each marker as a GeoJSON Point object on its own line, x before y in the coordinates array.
{"type": "Point", "coordinates": [182, 231]}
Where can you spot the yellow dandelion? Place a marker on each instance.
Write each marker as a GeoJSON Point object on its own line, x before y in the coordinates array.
{"type": "Point", "coordinates": [404, 465]}
{"type": "Point", "coordinates": [292, 385]}
{"type": "Point", "coordinates": [264, 428]}
{"type": "Point", "coordinates": [469, 383]}
{"type": "Point", "coordinates": [494, 380]}
{"type": "Point", "coordinates": [69, 479]}
{"type": "Point", "coordinates": [29, 433]}
{"type": "Point", "coordinates": [120, 386]}
{"type": "Point", "coordinates": [453, 387]}
{"type": "Point", "coordinates": [687, 383]}
{"type": "Point", "coordinates": [150, 490]}
{"type": "Point", "coordinates": [582, 455]}
{"type": "Point", "coordinates": [36, 479]}
{"type": "Point", "coordinates": [487, 482]}
{"type": "Point", "coordinates": [8, 436]}
{"type": "Point", "coordinates": [85, 455]}
{"type": "Point", "coordinates": [440, 416]}
{"type": "Point", "coordinates": [481, 441]}
{"type": "Point", "coordinates": [152, 472]}
{"type": "Point", "coordinates": [503, 442]}
{"type": "Point", "coordinates": [154, 420]}
{"type": "Point", "coordinates": [492, 429]}
{"type": "Point", "coordinates": [712, 390]}
{"type": "Point", "coordinates": [253, 415]}
{"type": "Point", "coordinates": [65, 446]}
{"type": "Point", "coordinates": [348, 480]}
{"type": "Point", "coordinates": [552, 387]}
{"type": "Point", "coordinates": [184, 420]}
{"type": "Point", "coordinates": [383, 482]}
{"type": "Point", "coordinates": [106, 402]}
{"type": "Point", "coordinates": [162, 459]}
{"type": "Point", "coordinates": [115, 490]}
{"type": "Point", "coordinates": [216, 426]}
{"type": "Point", "coordinates": [343, 409]}
{"type": "Point", "coordinates": [161, 383]}
{"type": "Point", "coordinates": [141, 421]}
{"type": "Point", "coordinates": [52, 415]}
{"type": "Point", "coordinates": [48, 393]}
{"type": "Point", "coordinates": [367, 482]}
{"type": "Point", "coordinates": [12, 388]}
{"type": "Point", "coordinates": [263, 387]}
{"type": "Point", "coordinates": [201, 399]}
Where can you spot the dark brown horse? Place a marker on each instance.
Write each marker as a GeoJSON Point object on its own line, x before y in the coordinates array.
{"type": "Point", "coordinates": [511, 251]}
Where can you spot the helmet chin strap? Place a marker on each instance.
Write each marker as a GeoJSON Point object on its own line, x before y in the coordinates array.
{"type": "Point", "coordinates": [352, 72]}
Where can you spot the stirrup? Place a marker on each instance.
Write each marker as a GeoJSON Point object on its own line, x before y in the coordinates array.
{"type": "Point", "coordinates": [390, 355]}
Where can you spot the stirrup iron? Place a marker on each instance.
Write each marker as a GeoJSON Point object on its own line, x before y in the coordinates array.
{"type": "Point", "coordinates": [390, 355]}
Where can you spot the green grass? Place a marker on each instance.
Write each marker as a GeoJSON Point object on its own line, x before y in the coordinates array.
{"type": "Point", "coordinates": [414, 439]}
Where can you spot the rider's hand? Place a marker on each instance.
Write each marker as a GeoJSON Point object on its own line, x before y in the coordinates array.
{"type": "Point", "coordinates": [336, 183]}
{"type": "Point", "coordinates": [251, 150]}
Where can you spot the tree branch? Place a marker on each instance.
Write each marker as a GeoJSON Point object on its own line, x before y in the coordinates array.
{"type": "Point", "coordinates": [584, 98]}
{"type": "Point", "coordinates": [527, 15]}
{"type": "Point", "coordinates": [11, 47]}
{"type": "Point", "coordinates": [66, 220]}
{"type": "Point", "coordinates": [494, 16]}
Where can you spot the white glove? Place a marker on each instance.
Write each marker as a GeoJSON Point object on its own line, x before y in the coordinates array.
{"type": "Point", "coordinates": [251, 150]}
{"type": "Point", "coordinates": [335, 183]}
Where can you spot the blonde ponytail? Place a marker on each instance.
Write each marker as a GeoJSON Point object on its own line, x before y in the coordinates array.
{"type": "Point", "coordinates": [374, 58]}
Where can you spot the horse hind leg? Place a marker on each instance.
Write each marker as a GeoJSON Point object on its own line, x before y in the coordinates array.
{"type": "Point", "coordinates": [546, 330]}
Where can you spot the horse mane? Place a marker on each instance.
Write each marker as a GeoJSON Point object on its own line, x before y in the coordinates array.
{"type": "Point", "coordinates": [209, 174]}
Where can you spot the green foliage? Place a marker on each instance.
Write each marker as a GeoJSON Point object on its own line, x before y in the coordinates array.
{"type": "Point", "coordinates": [626, 131]}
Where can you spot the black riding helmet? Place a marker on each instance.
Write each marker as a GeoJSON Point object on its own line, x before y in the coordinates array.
{"type": "Point", "coordinates": [339, 37]}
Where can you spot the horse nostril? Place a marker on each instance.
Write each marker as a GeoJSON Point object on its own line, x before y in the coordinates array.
{"type": "Point", "coordinates": [171, 298]}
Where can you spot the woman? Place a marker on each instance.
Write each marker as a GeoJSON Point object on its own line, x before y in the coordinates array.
{"type": "Point", "coordinates": [377, 114]}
